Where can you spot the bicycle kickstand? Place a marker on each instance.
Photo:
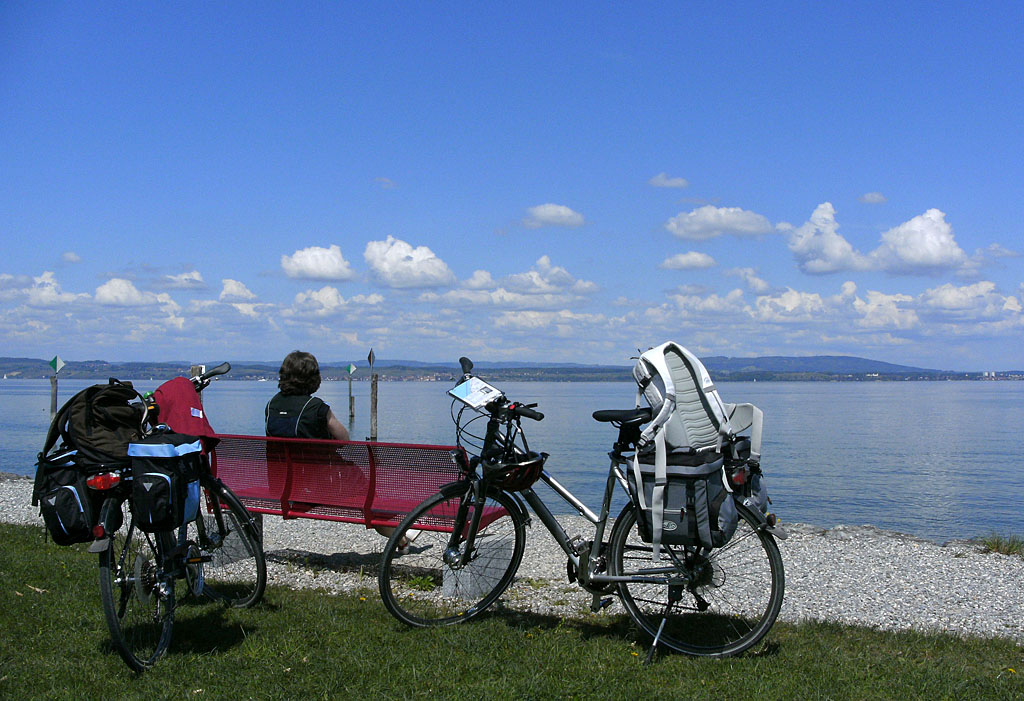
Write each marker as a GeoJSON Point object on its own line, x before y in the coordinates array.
{"type": "Point", "coordinates": [654, 645]}
{"type": "Point", "coordinates": [598, 603]}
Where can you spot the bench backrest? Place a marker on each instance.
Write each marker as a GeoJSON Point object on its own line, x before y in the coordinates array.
{"type": "Point", "coordinates": [362, 482]}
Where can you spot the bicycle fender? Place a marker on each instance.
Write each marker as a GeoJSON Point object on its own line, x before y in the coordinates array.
{"type": "Point", "coordinates": [521, 506]}
{"type": "Point", "coordinates": [100, 545]}
{"type": "Point", "coordinates": [762, 520]}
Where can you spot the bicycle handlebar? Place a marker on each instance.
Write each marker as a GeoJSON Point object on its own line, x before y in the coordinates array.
{"type": "Point", "coordinates": [221, 369]}
{"type": "Point", "coordinates": [526, 410]}
{"type": "Point", "coordinates": [202, 381]}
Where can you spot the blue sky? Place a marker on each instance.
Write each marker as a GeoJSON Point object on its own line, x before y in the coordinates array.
{"type": "Point", "coordinates": [538, 181]}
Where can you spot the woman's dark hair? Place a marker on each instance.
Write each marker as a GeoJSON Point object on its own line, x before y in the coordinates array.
{"type": "Point", "coordinates": [299, 373]}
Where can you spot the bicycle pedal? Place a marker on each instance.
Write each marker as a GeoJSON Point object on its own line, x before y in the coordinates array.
{"type": "Point", "coordinates": [599, 604]}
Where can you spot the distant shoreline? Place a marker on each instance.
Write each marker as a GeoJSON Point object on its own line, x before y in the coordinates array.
{"type": "Point", "coordinates": [394, 375]}
{"type": "Point", "coordinates": [821, 368]}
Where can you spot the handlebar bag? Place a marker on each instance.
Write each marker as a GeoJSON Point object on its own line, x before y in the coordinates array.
{"type": "Point", "coordinates": [165, 480]}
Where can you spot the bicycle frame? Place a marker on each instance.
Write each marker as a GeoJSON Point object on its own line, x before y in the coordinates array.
{"type": "Point", "coordinates": [583, 559]}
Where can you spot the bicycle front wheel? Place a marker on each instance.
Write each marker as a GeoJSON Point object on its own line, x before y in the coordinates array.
{"type": "Point", "coordinates": [430, 582]}
{"type": "Point", "coordinates": [712, 604]}
{"type": "Point", "coordinates": [137, 593]}
{"type": "Point", "coordinates": [226, 539]}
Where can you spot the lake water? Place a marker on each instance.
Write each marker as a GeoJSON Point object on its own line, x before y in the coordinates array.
{"type": "Point", "coordinates": [939, 460]}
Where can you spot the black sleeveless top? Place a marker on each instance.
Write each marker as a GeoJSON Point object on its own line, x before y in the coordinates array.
{"type": "Point", "coordinates": [297, 416]}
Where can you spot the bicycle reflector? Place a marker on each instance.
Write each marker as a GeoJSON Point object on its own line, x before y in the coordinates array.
{"type": "Point", "coordinates": [104, 480]}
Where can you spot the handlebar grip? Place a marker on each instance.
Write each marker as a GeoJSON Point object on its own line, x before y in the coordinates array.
{"type": "Point", "coordinates": [466, 364]}
{"type": "Point", "coordinates": [221, 369]}
{"type": "Point", "coordinates": [528, 413]}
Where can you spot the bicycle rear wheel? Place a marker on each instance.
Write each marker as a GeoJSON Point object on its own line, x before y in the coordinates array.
{"type": "Point", "coordinates": [137, 594]}
{"type": "Point", "coordinates": [423, 584]}
{"type": "Point", "coordinates": [233, 570]}
{"type": "Point", "coordinates": [712, 604]}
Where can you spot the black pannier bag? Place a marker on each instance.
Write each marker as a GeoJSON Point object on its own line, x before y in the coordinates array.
{"type": "Point", "coordinates": [94, 428]}
{"type": "Point", "coordinates": [65, 501]}
{"type": "Point", "coordinates": [698, 509]}
{"type": "Point", "coordinates": [165, 480]}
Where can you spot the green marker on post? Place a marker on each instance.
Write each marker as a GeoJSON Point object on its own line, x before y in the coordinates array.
{"type": "Point", "coordinates": [56, 364]}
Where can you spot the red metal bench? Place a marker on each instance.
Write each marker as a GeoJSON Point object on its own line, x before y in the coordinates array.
{"type": "Point", "coordinates": [372, 483]}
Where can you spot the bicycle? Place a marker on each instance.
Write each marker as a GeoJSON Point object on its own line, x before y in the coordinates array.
{"type": "Point", "coordinates": [455, 554]}
{"type": "Point", "coordinates": [218, 555]}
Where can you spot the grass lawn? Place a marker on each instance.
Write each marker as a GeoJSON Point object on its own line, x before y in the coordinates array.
{"type": "Point", "coordinates": [304, 644]}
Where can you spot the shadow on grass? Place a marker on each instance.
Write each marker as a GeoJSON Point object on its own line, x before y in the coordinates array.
{"type": "Point", "coordinates": [617, 626]}
{"type": "Point", "coordinates": [336, 562]}
{"type": "Point", "coordinates": [203, 627]}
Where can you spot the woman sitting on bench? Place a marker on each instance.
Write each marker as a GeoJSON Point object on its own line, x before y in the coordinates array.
{"type": "Point", "coordinates": [295, 413]}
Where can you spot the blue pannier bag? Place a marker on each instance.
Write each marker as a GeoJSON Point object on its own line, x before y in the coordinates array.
{"type": "Point", "coordinates": [165, 480]}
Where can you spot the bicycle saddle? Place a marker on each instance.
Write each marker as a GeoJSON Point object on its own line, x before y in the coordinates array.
{"type": "Point", "coordinates": [639, 415]}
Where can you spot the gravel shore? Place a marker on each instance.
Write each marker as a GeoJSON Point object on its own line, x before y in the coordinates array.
{"type": "Point", "coordinates": [858, 575]}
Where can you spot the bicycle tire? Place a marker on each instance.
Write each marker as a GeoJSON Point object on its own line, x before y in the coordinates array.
{"type": "Point", "coordinates": [420, 589]}
{"type": "Point", "coordinates": [234, 571]}
{"type": "Point", "coordinates": [733, 598]}
{"type": "Point", "coordinates": [138, 598]}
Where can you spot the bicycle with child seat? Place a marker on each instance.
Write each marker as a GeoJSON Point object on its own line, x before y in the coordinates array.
{"type": "Point", "coordinates": [467, 541]}
{"type": "Point", "coordinates": [218, 555]}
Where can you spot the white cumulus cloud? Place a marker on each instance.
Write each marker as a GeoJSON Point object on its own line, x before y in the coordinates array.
{"type": "Point", "coordinates": [552, 215]}
{"type": "Point", "coordinates": [191, 280]}
{"type": "Point", "coordinates": [820, 248]}
{"type": "Point", "coordinates": [545, 278]}
{"type": "Point", "coordinates": [790, 305]}
{"type": "Point", "coordinates": [122, 293]}
{"type": "Point", "coordinates": [924, 242]}
{"type": "Point", "coordinates": [70, 257]}
{"type": "Point", "coordinates": [921, 245]}
{"type": "Point", "coordinates": [235, 291]}
{"type": "Point", "coordinates": [46, 292]}
{"type": "Point", "coordinates": [317, 263]}
{"type": "Point", "coordinates": [328, 301]}
{"type": "Point", "coordinates": [688, 261]}
{"type": "Point", "coordinates": [873, 198]}
{"type": "Point", "coordinates": [754, 282]}
{"type": "Point", "coordinates": [880, 310]}
{"type": "Point", "coordinates": [663, 180]}
{"type": "Point", "coordinates": [708, 221]}
{"type": "Point", "coordinates": [479, 280]}
{"type": "Point", "coordinates": [397, 264]}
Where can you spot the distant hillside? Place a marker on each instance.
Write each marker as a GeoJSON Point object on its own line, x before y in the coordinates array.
{"type": "Point", "coordinates": [829, 364]}
{"type": "Point", "coordinates": [723, 369]}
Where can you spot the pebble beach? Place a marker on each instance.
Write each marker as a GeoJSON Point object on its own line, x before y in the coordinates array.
{"type": "Point", "coordinates": [857, 575]}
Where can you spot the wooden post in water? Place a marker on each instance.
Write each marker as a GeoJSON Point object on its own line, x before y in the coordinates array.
{"type": "Point", "coordinates": [373, 397]}
{"type": "Point", "coordinates": [351, 403]}
{"type": "Point", "coordinates": [373, 407]}
{"type": "Point", "coordinates": [56, 364]}
{"type": "Point", "coordinates": [196, 371]}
